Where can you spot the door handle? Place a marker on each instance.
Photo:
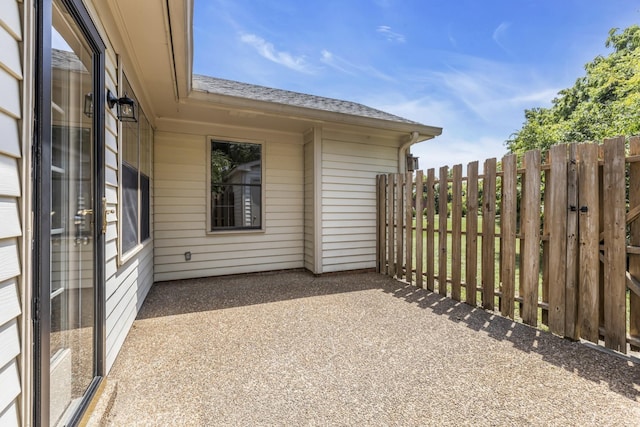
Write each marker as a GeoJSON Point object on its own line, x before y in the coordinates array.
{"type": "Point", "coordinates": [105, 211]}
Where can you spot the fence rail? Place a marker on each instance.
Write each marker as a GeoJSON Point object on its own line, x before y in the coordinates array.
{"type": "Point", "coordinates": [553, 242]}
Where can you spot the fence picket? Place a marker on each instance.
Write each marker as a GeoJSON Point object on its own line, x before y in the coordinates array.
{"type": "Point", "coordinates": [588, 223]}
{"type": "Point", "coordinates": [508, 216]}
{"type": "Point", "coordinates": [431, 209]}
{"type": "Point", "coordinates": [634, 259]}
{"type": "Point", "coordinates": [471, 238]}
{"type": "Point", "coordinates": [488, 234]}
{"type": "Point", "coordinates": [531, 231]}
{"type": "Point", "coordinates": [571, 329]}
{"type": "Point", "coordinates": [391, 229]}
{"type": "Point", "coordinates": [442, 230]}
{"type": "Point", "coordinates": [381, 228]}
{"type": "Point", "coordinates": [408, 208]}
{"type": "Point", "coordinates": [556, 213]}
{"type": "Point", "coordinates": [456, 232]}
{"type": "Point", "coordinates": [399, 226]}
{"type": "Point", "coordinates": [614, 245]}
{"type": "Point", "coordinates": [419, 234]}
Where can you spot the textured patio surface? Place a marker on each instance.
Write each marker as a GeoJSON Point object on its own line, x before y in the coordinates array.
{"type": "Point", "coordinates": [290, 349]}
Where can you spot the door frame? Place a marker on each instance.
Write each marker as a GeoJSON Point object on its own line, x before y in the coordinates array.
{"type": "Point", "coordinates": [41, 147]}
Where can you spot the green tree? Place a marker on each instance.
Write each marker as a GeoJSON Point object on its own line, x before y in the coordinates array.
{"type": "Point", "coordinates": [602, 104]}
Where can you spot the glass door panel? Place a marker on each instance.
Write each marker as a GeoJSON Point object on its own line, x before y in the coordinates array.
{"type": "Point", "coordinates": [72, 245]}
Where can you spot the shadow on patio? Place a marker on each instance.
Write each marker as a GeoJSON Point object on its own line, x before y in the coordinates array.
{"type": "Point", "coordinates": [294, 349]}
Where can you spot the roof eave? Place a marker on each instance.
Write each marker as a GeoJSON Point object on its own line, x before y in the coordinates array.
{"type": "Point", "coordinates": [305, 113]}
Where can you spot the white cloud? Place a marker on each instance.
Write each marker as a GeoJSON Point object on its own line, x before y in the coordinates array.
{"type": "Point", "coordinates": [500, 33]}
{"type": "Point", "coordinates": [268, 51]}
{"type": "Point", "coordinates": [391, 36]}
{"type": "Point", "coordinates": [342, 65]}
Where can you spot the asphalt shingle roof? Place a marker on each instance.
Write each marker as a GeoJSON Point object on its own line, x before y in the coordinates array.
{"type": "Point", "coordinates": [278, 96]}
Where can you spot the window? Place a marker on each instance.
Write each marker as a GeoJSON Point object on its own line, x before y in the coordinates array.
{"type": "Point", "coordinates": [137, 138]}
{"type": "Point", "coordinates": [236, 186]}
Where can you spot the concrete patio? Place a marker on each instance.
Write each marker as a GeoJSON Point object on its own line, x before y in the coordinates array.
{"type": "Point", "coordinates": [292, 349]}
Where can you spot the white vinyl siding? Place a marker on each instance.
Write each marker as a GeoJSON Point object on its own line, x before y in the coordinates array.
{"type": "Point", "coordinates": [10, 226]}
{"type": "Point", "coordinates": [181, 211]}
{"type": "Point", "coordinates": [128, 284]}
{"type": "Point", "coordinates": [349, 168]}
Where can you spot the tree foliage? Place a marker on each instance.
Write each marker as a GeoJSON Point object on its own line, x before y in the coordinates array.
{"type": "Point", "coordinates": [602, 104]}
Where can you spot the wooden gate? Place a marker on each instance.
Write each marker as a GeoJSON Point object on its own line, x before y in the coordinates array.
{"type": "Point", "coordinates": [553, 243]}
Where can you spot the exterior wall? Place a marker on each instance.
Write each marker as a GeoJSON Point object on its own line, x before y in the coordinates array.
{"type": "Point", "coordinates": [350, 164]}
{"type": "Point", "coordinates": [11, 229]}
{"type": "Point", "coordinates": [180, 206]}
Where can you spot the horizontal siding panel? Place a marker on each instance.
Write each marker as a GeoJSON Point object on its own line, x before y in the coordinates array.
{"type": "Point", "coordinates": [343, 259]}
{"type": "Point", "coordinates": [226, 270]}
{"type": "Point", "coordinates": [160, 201]}
{"type": "Point", "coordinates": [355, 237]}
{"type": "Point", "coordinates": [205, 256]}
{"type": "Point", "coordinates": [348, 187]}
{"type": "Point", "coordinates": [172, 173]}
{"type": "Point", "coordinates": [350, 150]}
{"type": "Point", "coordinates": [350, 253]}
{"type": "Point", "coordinates": [270, 262]}
{"type": "Point", "coordinates": [332, 231]}
{"type": "Point", "coordinates": [10, 223]}
{"type": "Point", "coordinates": [9, 261]}
{"type": "Point", "coordinates": [10, 380]}
{"type": "Point", "coordinates": [9, 301]}
{"type": "Point", "coordinates": [352, 225]}
{"type": "Point", "coordinates": [174, 239]}
{"type": "Point", "coordinates": [347, 174]}
{"type": "Point", "coordinates": [368, 181]}
{"type": "Point", "coordinates": [336, 159]}
{"type": "Point", "coordinates": [9, 177]}
{"type": "Point", "coordinates": [10, 54]}
{"type": "Point", "coordinates": [10, 18]}
{"type": "Point", "coordinates": [355, 244]}
{"type": "Point", "coordinates": [203, 246]}
{"type": "Point", "coordinates": [198, 207]}
{"type": "Point", "coordinates": [339, 203]}
{"type": "Point", "coordinates": [332, 268]}
{"type": "Point", "coordinates": [328, 195]}
{"type": "Point", "coordinates": [111, 176]}
{"type": "Point", "coordinates": [9, 417]}
{"type": "Point", "coordinates": [10, 141]}
{"type": "Point", "coordinates": [354, 208]}
{"type": "Point", "coordinates": [164, 184]}
{"type": "Point", "coordinates": [111, 159]}
{"type": "Point", "coordinates": [9, 342]}
{"type": "Point", "coordinates": [359, 167]}
{"type": "Point", "coordinates": [10, 89]}
{"type": "Point", "coordinates": [350, 216]}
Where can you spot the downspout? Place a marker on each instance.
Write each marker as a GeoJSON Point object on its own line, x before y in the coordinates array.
{"type": "Point", "coordinates": [402, 151]}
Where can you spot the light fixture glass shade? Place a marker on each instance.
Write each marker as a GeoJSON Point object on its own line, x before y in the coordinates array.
{"type": "Point", "coordinates": [127, 110]}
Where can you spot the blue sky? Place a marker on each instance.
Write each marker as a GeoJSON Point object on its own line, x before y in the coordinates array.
{"type": "Point", "coordinates": [471, 66]}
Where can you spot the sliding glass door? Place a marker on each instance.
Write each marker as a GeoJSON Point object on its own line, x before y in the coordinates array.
{"type": "Point", "coordinates": [71, 141]}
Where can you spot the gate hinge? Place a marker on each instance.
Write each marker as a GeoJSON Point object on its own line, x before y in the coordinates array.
{"type": "Point", "coordinates": [584, 209]}
{"type": "Point", "coordinates": [572, 208]}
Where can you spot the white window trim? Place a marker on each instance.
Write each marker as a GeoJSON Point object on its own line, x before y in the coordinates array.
{"type": "Point", "coordinates": [263, 192]}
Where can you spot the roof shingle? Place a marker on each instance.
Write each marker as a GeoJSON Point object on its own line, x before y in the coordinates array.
{"type": "Point", "coordinates": [262, 93]}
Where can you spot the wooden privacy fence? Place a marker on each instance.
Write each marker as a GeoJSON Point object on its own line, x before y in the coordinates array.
{"type": "Point", "coordinates": [554, 242]}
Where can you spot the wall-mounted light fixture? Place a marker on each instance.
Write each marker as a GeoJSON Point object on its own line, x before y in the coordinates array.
{"type": "Point", "coordinates": [412, 163]}
{"type": "Point", "coordinates": [88, 105]}
{"type": "Point", "coordinates": [127, 111]}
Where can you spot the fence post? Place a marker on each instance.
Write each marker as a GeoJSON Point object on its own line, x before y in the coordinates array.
{"type": "Point", "coordinates": [456, 232]}
{"type": "Point", "coordinates": [419, 236]}
{"type": "Point", "coordinates": [614, 245]}
{"type": "Point", "coordinates": [634, 259]}
{"type": "Point", "coordinates": [488, 234]}
{"type": "Point", "coordinates": [431, 208]}
{"type": "Point", "coordinates": [531, 231]}
{"type": "Point", "coordinates": [571, 328]}
{"type": "Point", "coordinates": [471, 239]}
{"type": "Point", "coordinates": [382, 224]}
{"type": "Point", "coordinates": [556, 218]}
{"type": "Point", "coordinates": [442, 230]}
{"type": "Point", "coordinates": [508, 216]}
